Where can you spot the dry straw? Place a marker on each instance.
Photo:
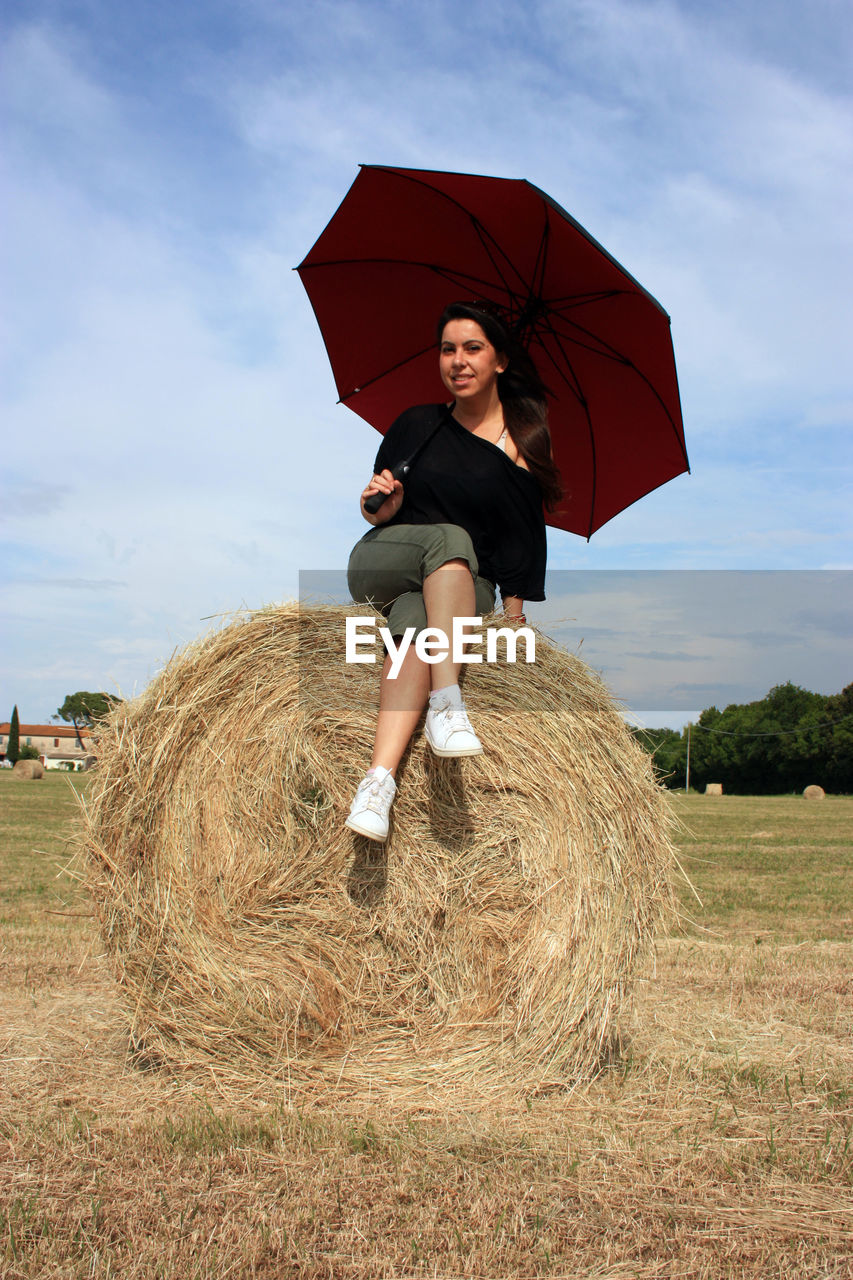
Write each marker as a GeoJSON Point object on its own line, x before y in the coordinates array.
{"type": "Point", "coordinates": [28, 770]}
{"type": "Point", "coordinates": [490, 942]}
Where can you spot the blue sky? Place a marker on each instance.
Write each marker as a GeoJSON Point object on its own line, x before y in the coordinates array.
{"type": "Point", "coordinates": [172, 447]}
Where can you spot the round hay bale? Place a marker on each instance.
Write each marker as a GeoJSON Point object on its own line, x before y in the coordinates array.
{"type": "Point", "coordinates": [713, 789]}
{"type": "Point", "coordinates": [490, 941]}
{"type": "Point", "coordinates": [28, 769]}
{"type": "Point", "coordinates": [814, 792]}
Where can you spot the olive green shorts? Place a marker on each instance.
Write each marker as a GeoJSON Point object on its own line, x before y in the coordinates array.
{"type": "Point", "coordinates": [388, 566]}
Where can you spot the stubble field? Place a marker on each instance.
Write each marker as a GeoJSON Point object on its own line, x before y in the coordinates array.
{"type": "Point", "coordinates": [719, 1143]}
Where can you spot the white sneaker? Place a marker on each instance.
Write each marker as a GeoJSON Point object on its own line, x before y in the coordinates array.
{"type": "Point", "coordinates": [368, 814]}
{"type": "Point", "coordinates": [448, 729]}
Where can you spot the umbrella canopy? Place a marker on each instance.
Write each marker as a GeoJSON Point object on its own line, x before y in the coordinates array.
{"type": "Point", "coordinates": [406, 242]}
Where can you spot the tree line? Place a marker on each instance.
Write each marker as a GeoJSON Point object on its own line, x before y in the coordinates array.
{"type": "Point", "coordinates": [788, 740]}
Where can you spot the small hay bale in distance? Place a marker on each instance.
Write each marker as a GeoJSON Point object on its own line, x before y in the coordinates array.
{"type": "Point", "coordinates": [489, 943]}
{"type": "Point", "coordinates": [814, 792]}
{"type": "Point", "coordinates": [713, 789]}
{"type": "Point", "coordinates": [28, 770]}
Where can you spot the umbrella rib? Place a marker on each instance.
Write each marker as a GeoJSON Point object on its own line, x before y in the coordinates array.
{"type": "Point", "coordinates": [458, 277]}
{"type": "Point", "coordinates": [533, 306]}
{"type": "Point", "coordinates": [391, 369]}
{"type": "Point", "coordinates": [546, 324]}
{"type": "Point", "coordinates": [595, 344]}
{"type": "Point", "coordinates": [482, 234]}
{"type": "Point", "coordinates": [606, 352]}
{"type": "Point", "coordinates": [574, 386]}
{"type": "Point", "coordinates": [553, 305]}
{"type": "Point", "coordinates": [573, 383]}
{"type": "Point", "coordinates": [611, 354]}
{"type": "Point", "coordinates": [481, 231]}
{"type": "Point", "coordinates": [377, 262]}
{"type": "Point", "coordinates": [584, 299]}
{"type": "Point", "coordinates": [538, 279]}
{"type": "Point", "coordinates": [594, 494]}
{"type": "Point", "coordinates": [673, 424]}
{"type": "Point", "coordinates": [564, 214]}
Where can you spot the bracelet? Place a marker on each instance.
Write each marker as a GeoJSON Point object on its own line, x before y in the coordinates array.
{"type": "Point", "coordinates": [515, 617]}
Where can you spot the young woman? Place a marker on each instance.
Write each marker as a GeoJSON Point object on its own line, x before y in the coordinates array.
{"type": "Point", "coordinates": [468, 518]}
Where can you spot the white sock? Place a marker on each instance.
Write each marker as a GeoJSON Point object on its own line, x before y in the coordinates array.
{"type": "Point", "coordinates": [378, 771]}
{"type": "Point", "coordinates": [451, 691]}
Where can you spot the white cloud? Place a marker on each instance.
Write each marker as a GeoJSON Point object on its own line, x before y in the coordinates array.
{"type": "Point", "coordinates": [170, 425]}
{"type": "Point", "coordinates": [678, 639]}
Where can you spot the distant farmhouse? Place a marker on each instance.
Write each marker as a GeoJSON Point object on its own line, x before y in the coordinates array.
{"type": "Point", "coordinates": [59, 746]}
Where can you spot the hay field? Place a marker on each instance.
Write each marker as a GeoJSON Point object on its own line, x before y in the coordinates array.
{"type": "Point", "coordinates": [720, 1142]}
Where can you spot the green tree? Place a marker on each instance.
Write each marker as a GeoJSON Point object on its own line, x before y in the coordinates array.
{"type": "Point", "coordinates": [838, 743]}
{"type": "Point", "coordinates": [801, 752]}
{"type": "Point", "coordinates": [84, 709]}
{"type": "Point", "coordinates": [709, 748]}
{"type": "Point", "coordinates": [766, 747]}
{"type": "Point", "coordinates": [668, 749]}
{"type": "Point", "coordinates": [13, 749]}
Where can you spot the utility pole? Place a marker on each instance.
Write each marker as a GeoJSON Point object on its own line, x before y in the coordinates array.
{"type": "Point", "coordinates": [687, 770]}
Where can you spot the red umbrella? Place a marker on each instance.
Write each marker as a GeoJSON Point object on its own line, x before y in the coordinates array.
{"type": "Point", "coordinates": [405, 242]}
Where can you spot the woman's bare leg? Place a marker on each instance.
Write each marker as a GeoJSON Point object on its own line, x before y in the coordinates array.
{"type": "Point", "coordinates": [401, 704]}
{"type": "Point", "coordinates": [448, 593]}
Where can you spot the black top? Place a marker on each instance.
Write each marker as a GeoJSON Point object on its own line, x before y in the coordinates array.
{"type": "Point", "coordinates": [462, 479]}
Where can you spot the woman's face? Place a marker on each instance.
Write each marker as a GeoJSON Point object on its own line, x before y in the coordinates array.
{"type": "Point", "coordinates": [468, 363]}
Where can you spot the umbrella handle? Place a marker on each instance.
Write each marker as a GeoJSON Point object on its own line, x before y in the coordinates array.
{"type": "Point", "coordinates": [375, 501]}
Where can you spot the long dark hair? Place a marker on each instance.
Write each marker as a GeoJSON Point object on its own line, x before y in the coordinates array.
{"type": "Point", "coordinates": [523, 394]}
